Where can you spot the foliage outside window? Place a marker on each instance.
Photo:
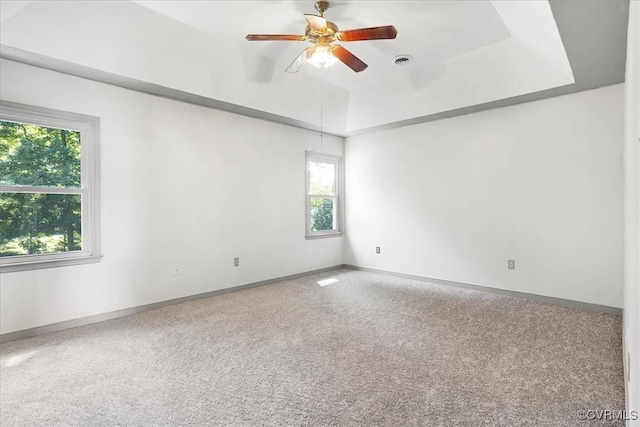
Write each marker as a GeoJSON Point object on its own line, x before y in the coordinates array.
{"type": "Point", "coordinates": [323, 195]}
{"type": "Point", "coordinates": [48, 200]}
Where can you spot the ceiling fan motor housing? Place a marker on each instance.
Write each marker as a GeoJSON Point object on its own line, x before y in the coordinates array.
{"type": "Point", "coordinates": [325, 37]}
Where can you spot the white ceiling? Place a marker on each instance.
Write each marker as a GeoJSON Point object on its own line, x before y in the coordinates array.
{"type": "Point", "coordinates": [466, 53]}
{"type": "Point", "coordinates": [424, 34]}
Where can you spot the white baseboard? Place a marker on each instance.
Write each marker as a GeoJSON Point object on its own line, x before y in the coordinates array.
{"type": "Point", "coordinates": [54, 327]}
{"type": "Point", "coordinates": [74, 323]}
{"type": "Point", "coordinates": [532, 297]}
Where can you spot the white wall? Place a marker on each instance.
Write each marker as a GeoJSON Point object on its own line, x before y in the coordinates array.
{"type": "Point", "coordinates": [632, 211]}
{"type": "Point", "coordinates": [454, 199]}
{"type": "Point", "coordinates": [180, 184]}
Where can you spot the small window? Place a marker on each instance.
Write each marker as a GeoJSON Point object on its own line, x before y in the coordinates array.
{"type": "Point", "coordinates": [48, 188]}
{"type": "Point", "coordinates": [323, 195]}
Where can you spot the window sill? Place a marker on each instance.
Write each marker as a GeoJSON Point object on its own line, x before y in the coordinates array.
{"type": "Point", "coordinates": [47, 263]}
{"type": "Point", "coordinates": [323, 235]}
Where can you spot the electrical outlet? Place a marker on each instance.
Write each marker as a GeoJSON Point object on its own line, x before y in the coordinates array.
{"type": "Point", "coordinates": [377, 249]}
{"type": "Point", "coordinates": [176, 270]}
{"type": "Point", "coordinates": [236, 262]}
{"type": "Point", "coordinates": [511, 264]}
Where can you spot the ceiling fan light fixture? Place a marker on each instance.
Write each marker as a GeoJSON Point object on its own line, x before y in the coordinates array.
{"type": "Point", "coordinates": [322, 57]}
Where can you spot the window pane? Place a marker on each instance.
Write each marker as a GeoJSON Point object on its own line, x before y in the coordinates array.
{"type": "Point", "coordinates": [322, 178]}
{"type": "Point", "coordinates": [39, 156]}
{"type": "Point", "coordinates": [39, 223]}
{"type": "Point", "coordinates": [322, 214]}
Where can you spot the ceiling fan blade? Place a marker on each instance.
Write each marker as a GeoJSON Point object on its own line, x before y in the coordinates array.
{"type": "Point", "coordinates": [275, 37]}
{"type": "Point", "coordinates": [297, 63]}
{"type": "Point", "coordinates": [316, 23]}
{"type": "Point", "coordinates": [348, 58]}
{"type": "Point", "coordinates": [373, 33]}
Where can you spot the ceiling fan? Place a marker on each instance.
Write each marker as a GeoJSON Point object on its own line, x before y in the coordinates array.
{"type": "Point", "coordinates": [323, 34]}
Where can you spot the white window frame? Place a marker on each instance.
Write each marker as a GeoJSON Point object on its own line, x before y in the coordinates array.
{"type": "Point", "coordinates": [89, 128]}
{"type": "Point", "coordinates": [337, 161]}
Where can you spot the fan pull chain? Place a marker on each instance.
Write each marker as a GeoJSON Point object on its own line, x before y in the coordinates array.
{"type": "Point", "coordinates": [321, 113]}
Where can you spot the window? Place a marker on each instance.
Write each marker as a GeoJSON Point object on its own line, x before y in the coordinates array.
{"type": "Point", "coordinates": [323, 195]}
{"type": "Point", "coordinates": [48, 188]}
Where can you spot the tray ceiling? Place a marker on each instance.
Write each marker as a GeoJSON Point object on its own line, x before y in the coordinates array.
{"type": "Point", "coordinates": [467, 55]}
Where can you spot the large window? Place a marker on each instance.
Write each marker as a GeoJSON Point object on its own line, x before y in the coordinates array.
{"type": "Point", "coordinates": [323, 195]}
{"type": "Point", "coordinates": [48, 188]}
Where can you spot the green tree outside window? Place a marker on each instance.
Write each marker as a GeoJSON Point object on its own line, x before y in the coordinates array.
{"type": "Point", "coordinates": [43, 221]}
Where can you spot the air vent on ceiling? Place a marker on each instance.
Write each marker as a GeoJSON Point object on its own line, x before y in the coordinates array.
{"type": "Point", "coordinates": [402, 59]}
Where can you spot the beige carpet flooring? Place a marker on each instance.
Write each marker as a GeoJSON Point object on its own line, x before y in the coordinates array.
{"type": "Point", "coordinates": [367, 350]}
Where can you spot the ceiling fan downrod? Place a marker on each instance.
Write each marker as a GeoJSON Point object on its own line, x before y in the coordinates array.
{"type": "Point", "coordinates": [321, 6]}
